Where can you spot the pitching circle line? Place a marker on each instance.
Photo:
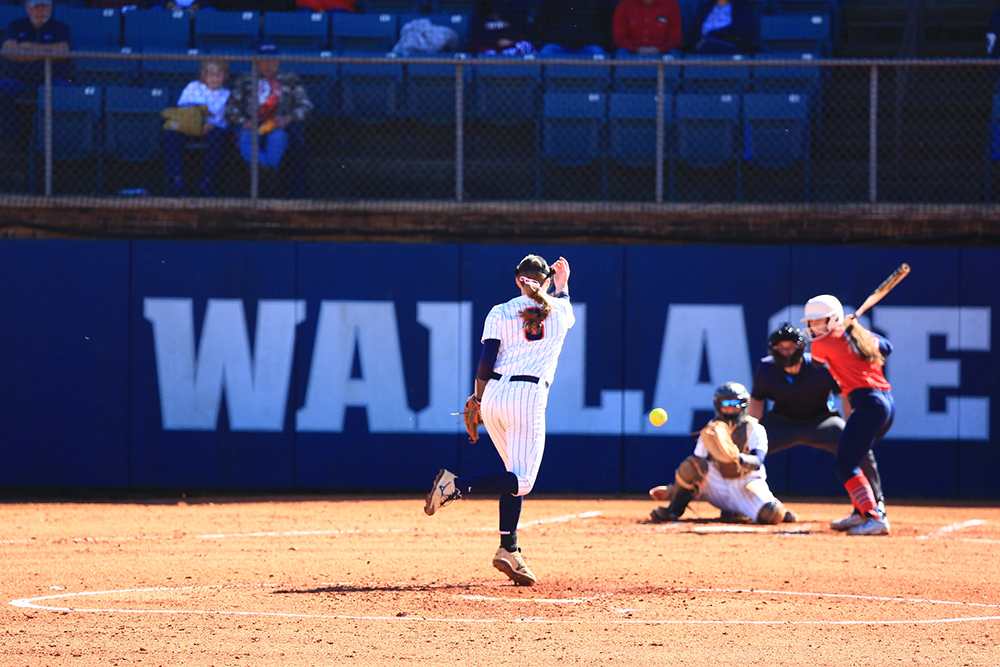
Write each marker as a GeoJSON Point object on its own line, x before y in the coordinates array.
{"type": "Point", "coordinates": [33, 603]}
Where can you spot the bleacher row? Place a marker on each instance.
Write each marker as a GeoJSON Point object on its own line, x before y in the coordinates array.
{"type": "Point", "coordinates": [574, 129]}
{"type": "Point", "coordinates": [811, 29]}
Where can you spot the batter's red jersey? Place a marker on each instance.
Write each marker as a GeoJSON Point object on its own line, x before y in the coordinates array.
{"type": "Point", "coordinates": [847, 367]}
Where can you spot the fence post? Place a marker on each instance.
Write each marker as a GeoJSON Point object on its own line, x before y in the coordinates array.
{"type": "Point", "coordinates": [873, 136]}
{"type": "Point", "coordinates": [255, 130]}
{"type": "Point", "coordinates": [659, 131]}
{"type": "Point", "coordinates": [459, 131]}
{"type": "Point", "coordinates": [48, 127]}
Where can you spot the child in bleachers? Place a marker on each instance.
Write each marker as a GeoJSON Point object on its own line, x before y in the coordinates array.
{"type": "Point", "coordinates": [724, 26]}
{"type": "Point", "coordinates": [209, 89]}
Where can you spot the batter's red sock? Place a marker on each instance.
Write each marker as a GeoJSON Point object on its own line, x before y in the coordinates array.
{"type": "Point", "coordinates": [862, 495]}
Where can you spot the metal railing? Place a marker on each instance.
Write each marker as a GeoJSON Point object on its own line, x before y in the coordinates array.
{"type": "Point", "coordinates": [657, 130]}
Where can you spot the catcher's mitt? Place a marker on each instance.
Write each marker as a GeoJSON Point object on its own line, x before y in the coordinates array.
{"type": "Point", "coordinates": [718, 440]}
{"type": "Point", "coordinates": [472, 415]}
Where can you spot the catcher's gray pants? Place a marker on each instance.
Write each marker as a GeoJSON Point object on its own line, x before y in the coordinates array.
{"type": "Point", "coordinates": [821, 433]}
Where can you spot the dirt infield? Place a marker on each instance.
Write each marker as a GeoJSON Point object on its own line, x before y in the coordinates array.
{"type": "Point", "coordinates": [336, 580]}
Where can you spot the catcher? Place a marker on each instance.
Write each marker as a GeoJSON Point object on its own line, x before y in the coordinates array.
{"type": "Point", "coordinates": [727, 468]}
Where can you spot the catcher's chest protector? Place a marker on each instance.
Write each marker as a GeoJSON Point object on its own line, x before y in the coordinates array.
{"type": "Point", "coordinates": [742, 434]}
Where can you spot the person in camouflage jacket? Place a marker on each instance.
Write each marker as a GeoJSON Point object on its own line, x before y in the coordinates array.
{"type": "Point", "coordinates": [282, 103]}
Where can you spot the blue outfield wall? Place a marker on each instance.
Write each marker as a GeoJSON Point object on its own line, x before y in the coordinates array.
{"type": "Point", "coordinates": [256, 366]}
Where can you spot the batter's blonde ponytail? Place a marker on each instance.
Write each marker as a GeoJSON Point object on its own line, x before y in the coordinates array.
{"type": "Point", "coordinates": [865, 344]}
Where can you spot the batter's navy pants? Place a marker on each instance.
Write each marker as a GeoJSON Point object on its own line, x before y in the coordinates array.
{"type": "Point", "coordinates": [872, 413]}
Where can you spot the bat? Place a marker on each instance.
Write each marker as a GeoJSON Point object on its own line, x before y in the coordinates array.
{"type": "Point", "coordinates": [884, 288]}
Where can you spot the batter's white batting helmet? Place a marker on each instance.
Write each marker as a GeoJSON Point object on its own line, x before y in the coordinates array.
{"type": "Point", "coordinates": [824, 306]}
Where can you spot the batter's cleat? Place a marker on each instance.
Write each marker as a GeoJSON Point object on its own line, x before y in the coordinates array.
{"type": "Point", "coordinates": [852, 520]}
{"type": "Point", "coordinates": [871, 526]}
{"type": "Point", "coordinates": [443, 492]}
{"type": "Point", "coordinates": [512, 564]}
{"type": "Point", "coordinates": [663, 515]}
{"type": "Point", "coordinates": [790, 517]}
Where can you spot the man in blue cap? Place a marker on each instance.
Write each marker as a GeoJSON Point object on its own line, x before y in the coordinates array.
{"type": "Point", "coordinates": [40, 36]}
{"type": "Point", "coordinates": [282, 106]}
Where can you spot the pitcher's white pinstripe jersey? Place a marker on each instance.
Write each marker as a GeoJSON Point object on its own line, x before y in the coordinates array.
{"type": "Point", "coordinates": [524, 352]}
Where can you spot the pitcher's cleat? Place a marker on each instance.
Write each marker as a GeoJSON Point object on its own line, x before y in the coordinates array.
{"type": "Point", "coordinates": [512, 564]}
{"type": "Point", "coordinates": [663, 515]}
{"type": "Point", "coordinates": [790, 517]}
{"type": "Point", "coordinates": [443, 492]}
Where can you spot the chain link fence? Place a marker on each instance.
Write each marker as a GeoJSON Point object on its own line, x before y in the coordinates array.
{"type": "Point", "coordinates": [792, 129]}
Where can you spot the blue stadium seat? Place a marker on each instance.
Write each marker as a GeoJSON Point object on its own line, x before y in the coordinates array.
{"type": "Point", "coordinates": [157, 30]}
{"type": "Point", "coordinates": [708, 132]}
{"type": "Point", "coordinates": [572, 131]}
{"type": "Point", "coordinates": [716, 79]}
{"type": "Point", "coordinates": [298, 31]}
{"type": "Point", "coordinates": [170, 73]}
{"type": "Point", "coordinates": [828, 8]}
{"type": "Point", "coordinates": [430, 91]}
{"type": "Point", "coordinates": [321, 80]}
{"type": "Point", "coordinates": [453, 6]}
{"type": "Point", "coordinates": [595, 76]}
{"type": "Point", "coordinates": [392, 6]}
{"type": "Point", "coordinates": [634, 78]}
{"type": "Point", "coordinates": [10, 13]}
{"type": "Point", "coordinates": [107, 71]}
{"type": "Point", "coordinates": [226, 31]}
{"type": "Point", "coordinates": [132, 122]}
{"type": "Point", "coordinates": [796, 33]}
{"type": "Point", "coordinates": [371, 91]}
{"type": "Point", "coordinates": [90, 28]}
{"type": "Point", "coordinates": [76, 114]}
{"type": "Point", "coordinates": [632, 128]}
{"type": "Point", "coordinates": [507, 89]}
{"type": "Point", "coordinates": [776, 132]}
{"type": "Point", "coordinates": [790, 78]}
{"type": "Point", "coordinates": [457, 22]}
{"type": "Point", "coordinates": [993, 144]}
{"type": "Point", "coordinates": [371, 33]}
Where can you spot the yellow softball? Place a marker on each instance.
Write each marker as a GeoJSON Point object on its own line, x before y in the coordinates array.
{"type": "Point", "coordinates": [658, 417]}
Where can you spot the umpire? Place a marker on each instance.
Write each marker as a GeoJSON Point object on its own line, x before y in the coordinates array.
{"type": "Point", "coordinates": [801, 413]}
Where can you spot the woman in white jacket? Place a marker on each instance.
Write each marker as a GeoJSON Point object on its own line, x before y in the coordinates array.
{"type": "Point", "coordinates": [209, 89]}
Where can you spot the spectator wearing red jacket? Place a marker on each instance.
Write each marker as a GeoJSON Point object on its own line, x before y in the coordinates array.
{"type": "Point", "coordinates": [647, 27]}
{"type": "Point", "coordinates": [321, 6]}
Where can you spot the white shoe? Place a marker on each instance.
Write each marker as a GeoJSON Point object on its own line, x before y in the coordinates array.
{"type": "Point", "coordinates": [871, 526]}
{"type": "Point", "coordinates": [852, 520]}
{"type": "Point", "coordinates": [443, 492]}
{"type": "Point", "coordinates": [512, 564]}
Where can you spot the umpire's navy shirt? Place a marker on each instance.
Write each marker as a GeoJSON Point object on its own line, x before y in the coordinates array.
{"type": "Point", "coordinates": [800, 397]}
{"type": "Point", "coordinates": [51, 32]}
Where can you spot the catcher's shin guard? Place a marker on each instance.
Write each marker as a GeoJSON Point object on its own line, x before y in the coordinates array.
{"type": "Point", "coordinates": [691, 473]}
{"type": "Point", "coordinates": [774, 512]}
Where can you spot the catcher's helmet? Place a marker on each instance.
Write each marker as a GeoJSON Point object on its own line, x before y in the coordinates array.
{"type": "Point", "coordinates": [730, 394]}
{"type": "Point", "coordinates": [825, 307]}
{"type": "Point", "coordinates": [534, 266]}
{"type": "Point", "coordinates": [786, 332]}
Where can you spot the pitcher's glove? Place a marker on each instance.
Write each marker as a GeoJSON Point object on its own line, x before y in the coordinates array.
{"type": "Point", "coordinates": [472, 415]}
{"type": "Point", "coordinates": [718, 440]}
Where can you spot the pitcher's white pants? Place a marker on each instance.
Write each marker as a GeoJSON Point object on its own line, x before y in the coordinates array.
{"type": "Point", "coordinates": [746, 494]}
{"type": "Point", "coordinates": [514, 416]}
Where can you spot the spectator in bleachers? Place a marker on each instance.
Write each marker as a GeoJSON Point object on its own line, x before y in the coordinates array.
{"type": "Point", "coordinates": [182, 5]}
{"type": "Point", "coordinates": [581, 26]}
{"type": "Point", "coordinates": [40, 35]}
{"type": "Point", "coordinates": [726, 26]}
{"type": "Point", "coordinates": [208, 89]}
{"type": "Point", "coordinates": [500, 27]}
{"type": "Point", "coordinates": [647, 27]}
{"type": "Point", "coordinates": [326, 5]}
{"type": "Point", "coordinates": [283, 105]}
{"type": "Point", "coordinates": [991, 35]}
